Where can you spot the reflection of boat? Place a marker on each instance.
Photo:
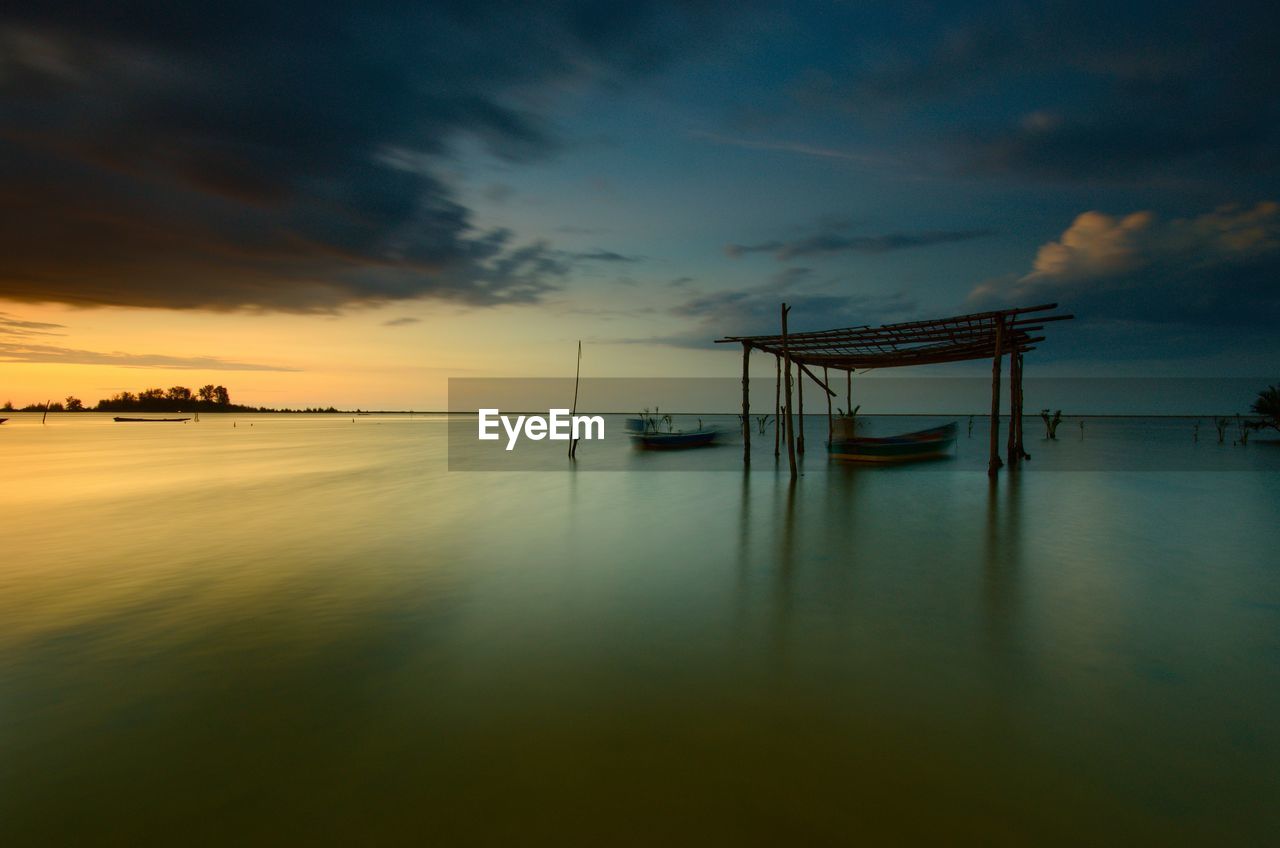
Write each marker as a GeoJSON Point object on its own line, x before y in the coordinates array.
{"type": "Point", "coordinates": [138, 420]}
{"type": "Point", "coordinates": [646, 436]}
{"type": "Point", "coordinates": [908, 447]}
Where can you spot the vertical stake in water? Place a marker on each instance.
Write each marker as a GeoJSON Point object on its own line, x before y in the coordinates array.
{"type": "Point", "coordinates": [573, 443]}
{"type": "Point", "coordinates": [827, 380]}
{"type": "Point", "coordinates": [791, 431]}
{"type": "Point", "coordinates": [746, 403]}
{"type": "Point", "coordinates": [46, 411]}
{"type": "Point", "coordinates": [777, 405]}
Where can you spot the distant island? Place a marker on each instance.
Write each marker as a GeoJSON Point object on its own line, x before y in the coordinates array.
{"type": "Point", "coordinates": [209, 398]}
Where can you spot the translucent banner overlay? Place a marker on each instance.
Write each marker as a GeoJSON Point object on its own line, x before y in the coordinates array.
{"type": "Point", "coordinates": [661, 424]}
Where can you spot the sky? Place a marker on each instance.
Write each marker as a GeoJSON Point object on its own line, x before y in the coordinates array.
{"type": "Point", "coordinates": [323, 203]}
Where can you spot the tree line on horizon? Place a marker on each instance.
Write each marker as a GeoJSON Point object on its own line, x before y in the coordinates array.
{"type": "Point", "coordinates": [207, 398]}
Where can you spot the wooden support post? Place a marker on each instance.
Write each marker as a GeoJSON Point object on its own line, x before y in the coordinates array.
{"type": "Point", "coordinates": [777, 405]}
{"type": "Point", "coordinates": [800, 409]}
{"type": "Point", "coordinates": [993, 465]}
{"type": "Point", "coordinates": [746, 403]}
{"type": "Point", "coordinates": [791, 433]}
{"type": "Point", "coordinates": [848, 391]}
{"type": "Point", "coordinates": [1022, 451]}
{"type": "Point", "coordinates": [1011, 443]}
{"type": "Point", "coordinates": [827, 380]}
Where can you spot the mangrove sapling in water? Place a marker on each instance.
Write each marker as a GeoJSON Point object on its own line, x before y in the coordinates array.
{"type": "Point", "coordinates": [1051, 424]}
{"type": "Point", "coordinates": [1267, 405]}
{"type": "Point", "coordinates": [1221, 424]}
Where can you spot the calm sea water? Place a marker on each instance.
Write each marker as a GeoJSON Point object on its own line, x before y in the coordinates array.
{"type": "Point", "coordinates": [305, 629]}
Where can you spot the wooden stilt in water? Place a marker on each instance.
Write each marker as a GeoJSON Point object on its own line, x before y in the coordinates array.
{"type": "Point", "coordinates": [777, 405]}
{"type": "Point", "coordinates": [800, 410]}
{"type": "Point", "coordinates": [746, 403]}
{"type": "Point", "coordinates": [848, 391]}
{"type": "Point", "coordinates": [791, 433]}
{"type": "Point", "coordinates": [1011, 443]}
{"type": "Point", "coordinates": [573, 443]}
{"type": "Point", "coordinates": [1022, 451]}
{"type": "Point", "coordinates": [46, 411]}
{"type": "Point", "coordinates": [827, 380]}
{"type": "Point", "coordinates": [993, 465]}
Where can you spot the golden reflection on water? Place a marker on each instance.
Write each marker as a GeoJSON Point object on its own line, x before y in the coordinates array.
{"type": "Point", "coordinates": [308, 630]}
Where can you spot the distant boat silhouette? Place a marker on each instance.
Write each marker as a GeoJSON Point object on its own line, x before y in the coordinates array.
{"type": "Point", "coordinates": [2, 420]}
{"type": "Point", "coordinates": [133, 420]}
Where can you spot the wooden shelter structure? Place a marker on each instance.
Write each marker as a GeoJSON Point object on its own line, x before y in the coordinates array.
{"type": "Point", "coordinates": [981, 335]}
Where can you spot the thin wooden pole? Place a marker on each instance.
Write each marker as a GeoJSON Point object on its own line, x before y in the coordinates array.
{"type": "Point", "coordinates": [1022, 451]}
{"type": "Point", "coordinates": [800, 409]}
{"type": "Point", "coordinates": [993, 465]}
{"type": "Point", "coordinates": [848, 391]}
{"type": "Point", "coordinates": [1011, 444]}
{"type": "Point", "coordinates": [46, 411]}
{"type": "Point", "coordinates": [777, 405]}
{"type": "Point", "coordinates": [827, 380]}
{"type": "Point", "coordinates": [573, 443]}
{"type": "Point", "coordinates": [746, 403]}
{"type": "Point", "coordinates": [791, 433]}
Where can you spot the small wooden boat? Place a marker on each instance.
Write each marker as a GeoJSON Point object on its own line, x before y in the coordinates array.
{"type": "Point", "coordinates": [149, 420]}
{"type": "Point", "coordinates": [933, 443]}
{"type": "Point", "coordinates": [2, 420]}
{"type": "Point", "coordinates": [676, 440]}
{"type": "Point", "coordinates": [645, 435]}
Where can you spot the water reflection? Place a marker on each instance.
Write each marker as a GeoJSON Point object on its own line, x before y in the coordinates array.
{"type": "Point", "coordinates": [321, 624]}
{"type": "Point", "coordinates": [1002, 568]}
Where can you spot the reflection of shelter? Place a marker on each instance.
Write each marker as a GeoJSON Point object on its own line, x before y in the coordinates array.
{"type": "Point", "coordinates": [982, 335]}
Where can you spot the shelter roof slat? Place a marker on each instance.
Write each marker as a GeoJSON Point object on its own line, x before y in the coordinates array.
{"type": "Point", "coordinates": [954, 339]}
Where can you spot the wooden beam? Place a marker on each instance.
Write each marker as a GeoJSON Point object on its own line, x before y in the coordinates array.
{"type": "Point", "coordinates": [814, 378]}
{"type": "Point", "coordinates": [995, 317]}
{"type": "Point", "coordinates": [791, 433]}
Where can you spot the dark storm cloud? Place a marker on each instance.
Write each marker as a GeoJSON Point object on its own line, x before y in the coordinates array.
{"type": "Point", "coordinates": [401, 322]}
{"type": "Point", "coordinates": [834, 242]}
{"type": "Point", "coordinates": [289, 156]}
{"type": "Point", "coordinates": [755, 311]}
{"type": "Point", "coordinates": [1075, 91]}
{"type": "Point", "coordinates": [1221, 268]}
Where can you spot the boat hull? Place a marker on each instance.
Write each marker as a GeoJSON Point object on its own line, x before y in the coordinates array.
{"type": "Point", "coordinates": [934, 443]}
{"type": "Point", "coordinates": [147, 420]}
{"type": "Point", "coordinates": [674, 441]}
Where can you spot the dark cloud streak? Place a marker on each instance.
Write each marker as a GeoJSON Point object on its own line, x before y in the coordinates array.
{"type": "Point", "coordinates": [290, 156]}
{"type": "Point", "coordinates": [833, 242]}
